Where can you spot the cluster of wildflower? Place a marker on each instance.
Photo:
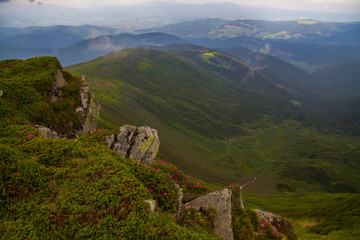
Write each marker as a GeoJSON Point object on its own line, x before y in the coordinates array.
{"type": "Point", "coordinates": [264, 226]}
{"type": "Point", "coordinates": [36, 131]}
{"type": "Point", "coordinates": [192, 222]}
{"type": "Point", "coordinates": [192, 188]}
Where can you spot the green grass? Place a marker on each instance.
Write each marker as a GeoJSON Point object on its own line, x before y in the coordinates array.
{"type": "Point", "coordinates": [286, 156]}
{"type": "Point", "coordinates": [202, 132]}
{"type": "Point", "coordinates": [73, 188]}
{"type": "Point", "coordinates": [315, 216]}
{"type": "Point", "coordinates": [81, 189]}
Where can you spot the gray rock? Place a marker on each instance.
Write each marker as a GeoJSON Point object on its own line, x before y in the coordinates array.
{"type": "Point", "coordinates": [152, 205]}
{"type": "Point", "coordinates": [179, 197]}
{"type": "Point", "coordinates": [89, 109]}
{"type": "Point", "coordinates": [221, 201]}
{"type": "Point", "coordinates": [47, 132]}
{"type": "Point", "coordinates": [140, 144]}
{"type": "Point", "coordinates": [282, 226]}
{"type": "Point", "coordinates": [58, 84]}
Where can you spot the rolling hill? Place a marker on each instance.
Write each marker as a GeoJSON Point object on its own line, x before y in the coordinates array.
{"type": "Point", "coordinates": [219, 127]}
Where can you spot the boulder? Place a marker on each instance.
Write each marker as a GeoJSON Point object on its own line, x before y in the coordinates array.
{"type": "Point", "coordinates": [282, 226]}
{"type": "Point", "coordinates": [47, 132]}
{"type": "Point", "coordinates": [139, 144]}
{"type": "Point", "coordinates": [221, 201]}
{"type": "Point", "coordinates": [152, 206]}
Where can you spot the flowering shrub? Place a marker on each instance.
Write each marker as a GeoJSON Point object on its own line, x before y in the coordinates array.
{"type": "Point", "coordinates": [192, 187]}
{"type": "Point", "coordinates": [203, 218]}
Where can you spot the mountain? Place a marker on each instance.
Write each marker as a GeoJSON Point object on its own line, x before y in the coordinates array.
{"type": "Point", "coordinates": [92, 48]}
{"type": "Point", "coordinates": [307, 31]}
{"type": "Point", "coordinates": [274, 67]}
{"type": "Point", "coordinates": [54, 36]}
{"type": "Point", "coordinates": [86, 49]}
{"type": "Point", "coordinates": [80, 188]}
{"type": "Point", "coordinates": [218, 117]}
{"type": "Point", "coordinates": [339, 80]}
{"type": "Point", "coordinates": [154, 14]}
{"type": "Point", "coordinates": [308, 44]}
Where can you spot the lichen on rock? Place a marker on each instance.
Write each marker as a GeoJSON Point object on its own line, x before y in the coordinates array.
{"type": "Point", "coordinates": [221, 201]}
{"type": "Point", "coordinates": [89, 109]}
{"type": "Point", "coordinates": [47, 132]}
{"type": "Point", "coordinates": [58, 84]}
{"type": "Point", "coordinates": [139, 144]}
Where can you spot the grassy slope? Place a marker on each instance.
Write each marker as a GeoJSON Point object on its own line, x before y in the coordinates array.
{"type": "Point", "coordinates": [285, 156]}
{"type": "Point", "coordinates": [75, 189]}
{"type": "Point", "coordinates": [81, 189]}
{"type": "Point", "coordinates": [133, 90]}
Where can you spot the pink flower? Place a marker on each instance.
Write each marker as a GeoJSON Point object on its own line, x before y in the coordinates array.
{"type": "Point", "coordinates": [154, 194]}
{"type": "Point", "coordinates": [104, 130]}
{"type": "Point", "coordinates": [164, 194]}
{"type": "Point", "coordinates": [149, 190]}
{"type": "Point", "coordinates": [34, 122]}
{"type": "Point", "coordinates": [116, 151]}
{"type": "Point", "coordinates": [30, 135]}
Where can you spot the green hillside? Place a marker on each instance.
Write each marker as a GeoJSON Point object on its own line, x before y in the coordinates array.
{"type": "Point", "coordinates": [215, 127]}
{"type": "Point", "coordinates": [75, 189]}
{"type": "Point", "coordinates": [339, 80]}
{"type": "Point", "coordinates": [294, 164]}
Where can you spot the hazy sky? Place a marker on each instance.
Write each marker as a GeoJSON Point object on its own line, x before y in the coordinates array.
{"type": "Point", "coordinates": [318, 5]}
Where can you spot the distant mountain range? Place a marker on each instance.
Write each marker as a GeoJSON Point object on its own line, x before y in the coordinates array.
{"type": "Point", "coordinates": [305, 43]}
{"type": "Point", "coordinates": [155, 14]}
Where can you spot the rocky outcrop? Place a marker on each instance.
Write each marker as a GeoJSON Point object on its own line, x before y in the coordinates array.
{"type": "Point", "coordinates": [89, 109]}
{"type": "Point", "coordinates": [282, 226]}
{"type": "Point", "coordinates": [58, 84]}
{"type": "Point", "coordinates": [221, 201]}
{"type": "Point", "coordinates": [139, 144]}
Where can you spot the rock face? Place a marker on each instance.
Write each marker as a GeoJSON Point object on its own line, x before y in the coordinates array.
{"type": "Point", "coordinates": [283, 226]}
{"type": "Point", "coordinates": [89, 109]}
{"type": "Point", "coordinates": [221, 201]}
{"type": "Point", "coordinates": [140, 144]}
{"type": "Point", "coordinates": [58, 84]}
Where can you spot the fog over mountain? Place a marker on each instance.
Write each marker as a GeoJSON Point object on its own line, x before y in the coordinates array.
{"type": "Point", "coordinates": [128, 18]}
